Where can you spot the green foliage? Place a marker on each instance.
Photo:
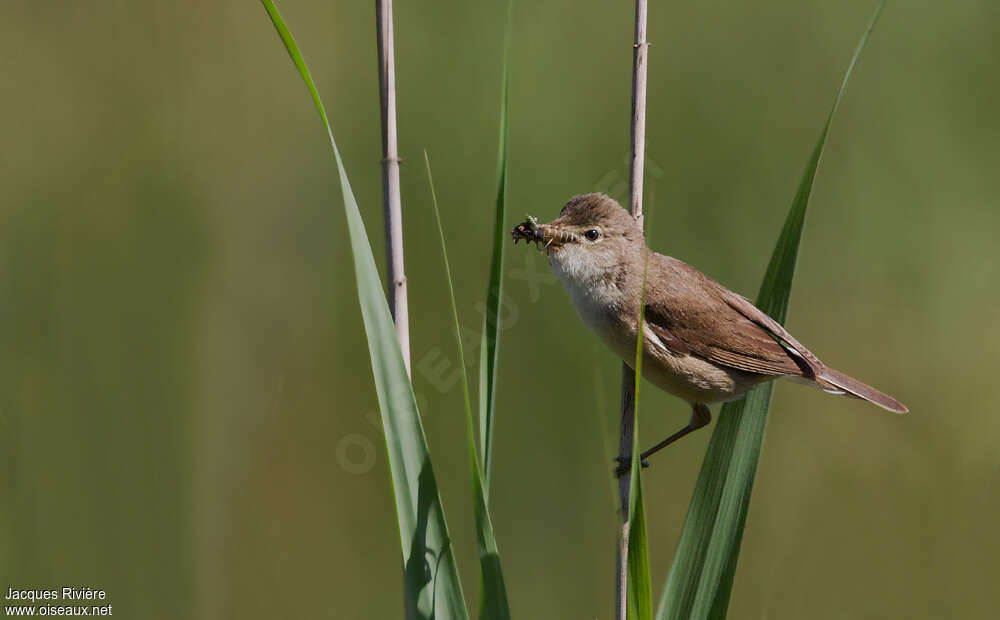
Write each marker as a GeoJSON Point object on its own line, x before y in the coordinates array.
{"type": "Point", "coordinates": [493, 593]}
{"type": "Point", "coordinates": [639, 588]}
{"type": "Point", "coordinates": [704, 566]}
{"type": "Point", "coordinates": [494, 292]}
{"type": "Point", "coordinates": [431, 584]}
{"type": "Point", "coordinates": [701, 576]}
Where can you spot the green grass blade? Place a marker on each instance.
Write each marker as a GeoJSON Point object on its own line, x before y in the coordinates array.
{"type": "Point", "coordinates": [493, 593]}
{"type": "Point", "coordinates": [639, 595]}
{"type": "Point", "coordinates": [431, 584]}
{"type": "Point", "coordinates": [494, 291]}
{"type": "Point", "coordinates": [701, 576]}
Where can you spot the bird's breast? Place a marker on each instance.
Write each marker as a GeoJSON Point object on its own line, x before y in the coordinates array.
{"type": "Point", "coordinates": [602, 307]}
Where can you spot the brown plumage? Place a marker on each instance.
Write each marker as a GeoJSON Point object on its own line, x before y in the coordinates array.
{"type": "Point", "coordinates": [701, 341]}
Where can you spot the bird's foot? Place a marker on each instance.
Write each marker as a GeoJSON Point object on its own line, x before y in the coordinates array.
{"type": "Point", "coordinates": [625, 465]}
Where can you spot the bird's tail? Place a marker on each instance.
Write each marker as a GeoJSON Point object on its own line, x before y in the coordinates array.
{"type": "Point", "coordinates": [837, 382]}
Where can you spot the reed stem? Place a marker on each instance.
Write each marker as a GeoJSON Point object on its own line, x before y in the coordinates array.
{"type": "Point", "coordinates": [640, 50]}
{"type": "Point", "coordinates": [392, 207]}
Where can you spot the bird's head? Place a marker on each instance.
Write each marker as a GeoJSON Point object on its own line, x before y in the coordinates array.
{"type": "Point", "coordinates": [592, 236]}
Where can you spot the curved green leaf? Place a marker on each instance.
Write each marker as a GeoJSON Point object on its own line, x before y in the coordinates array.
{"type": "Point", "coordinates": [431, 584]}
{"type": "Point", "coordinates": [493, 593]}
{"type": "Point", "coordinates": [701, 576]}
{"type": "Point", "coordinates": [639, 594]}
{"type": "Point", "coordinates": [494, 291]}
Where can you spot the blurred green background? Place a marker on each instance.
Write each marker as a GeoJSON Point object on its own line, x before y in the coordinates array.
{"type": "Point", "coordinates": [187, 416]}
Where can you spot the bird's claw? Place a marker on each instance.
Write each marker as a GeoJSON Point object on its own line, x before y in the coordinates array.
{"type": "Point", "coordinates": [625, 465]}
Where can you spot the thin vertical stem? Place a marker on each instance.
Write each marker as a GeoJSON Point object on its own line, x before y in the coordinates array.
{"type": "Point", "coordinates": [626, 430]}
{"type": "Point", "coordinates": [392, 207]}
{"type": "Point", "coordinates": [640, 49]}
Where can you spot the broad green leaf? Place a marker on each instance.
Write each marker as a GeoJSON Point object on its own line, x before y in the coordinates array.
{"type": "Point", "coordinates": [701, 576]}
{"type": "Point", "coordinates": [638, 584]}
{"type": "Point", "coordinates": [493, 592]}
{"type": "Point", "coordinates": [431, 584]}
{"type": "Point", "coordinates": [494, 291]}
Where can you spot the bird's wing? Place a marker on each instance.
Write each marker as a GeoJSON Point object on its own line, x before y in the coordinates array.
{"type": "Point", "coordinates": [693, 314]}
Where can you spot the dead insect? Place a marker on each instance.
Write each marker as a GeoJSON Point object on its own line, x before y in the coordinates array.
{"type": "Point", "coordinates": [527, 229]}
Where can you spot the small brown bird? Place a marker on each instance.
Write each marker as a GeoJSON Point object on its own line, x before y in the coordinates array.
{"type": "Point", "coordinates": [701, 342]}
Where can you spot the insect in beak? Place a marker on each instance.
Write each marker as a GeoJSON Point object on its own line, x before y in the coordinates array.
{"type": "Point", "coordinates": [553, 237]}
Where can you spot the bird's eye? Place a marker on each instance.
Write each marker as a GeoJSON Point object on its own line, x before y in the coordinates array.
{"type": "Point", "coordinates": [592, 234]}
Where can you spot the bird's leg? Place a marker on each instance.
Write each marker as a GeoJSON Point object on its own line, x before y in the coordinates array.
{"type": "Point", "coordinates": [700, 416]}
